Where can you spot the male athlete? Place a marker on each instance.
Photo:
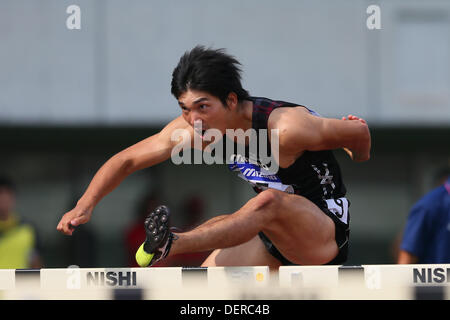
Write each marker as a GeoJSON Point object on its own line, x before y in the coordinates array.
{"type": "Point", "coordinates": [299, 214]}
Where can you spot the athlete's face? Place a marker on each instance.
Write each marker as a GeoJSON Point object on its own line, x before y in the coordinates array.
{"type": "Point", "coordinates": [201, 106]}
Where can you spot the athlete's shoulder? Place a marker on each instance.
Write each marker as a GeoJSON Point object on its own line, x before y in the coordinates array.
{"type": "Point", "coordinates": [175, 130]}
{"type": "Point", "coordinates": [178, 123]}
{"type": "Point", "coordinates": [270, 103]}
{"type": "Point", "coordinates": [284, 118]}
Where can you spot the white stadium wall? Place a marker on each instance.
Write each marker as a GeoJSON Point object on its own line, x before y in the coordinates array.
{"type": "Point", "coordinates": [117, 68]}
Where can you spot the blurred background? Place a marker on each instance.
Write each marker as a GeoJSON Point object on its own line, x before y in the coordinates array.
{"type": "Point", "coordinates": [72, 98]}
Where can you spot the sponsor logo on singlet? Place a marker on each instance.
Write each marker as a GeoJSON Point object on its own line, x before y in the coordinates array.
{"type": "Point", "coordinates": [257, 173]}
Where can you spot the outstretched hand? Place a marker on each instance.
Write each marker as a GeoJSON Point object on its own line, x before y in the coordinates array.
{"type": "Point", "coordinates": [72, 219]}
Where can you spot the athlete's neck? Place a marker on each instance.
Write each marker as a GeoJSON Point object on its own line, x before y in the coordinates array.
{"type": "Point", "coordinates": [244, 114]}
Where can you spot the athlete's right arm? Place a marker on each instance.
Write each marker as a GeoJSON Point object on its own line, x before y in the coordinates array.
{"type": "Point", "coordinates": [143, 154]}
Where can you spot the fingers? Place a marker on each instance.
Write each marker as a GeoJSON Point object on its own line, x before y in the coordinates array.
{"type": "Point", "coordinates": [77, 221]}
{"type": "Point", "coordinates": [349, 117]}
{"type": "Point", "coordinates": [72, 219]}
{"type": "Point", "coordinates": [60, 226]}
{"type": "Point", "coordinates": [352, 117]}
{"type": "Point", "coordinates": [65, 228]}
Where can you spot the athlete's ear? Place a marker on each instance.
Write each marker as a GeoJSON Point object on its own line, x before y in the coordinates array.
{"type": "Point", "coordinates": [232, 100]}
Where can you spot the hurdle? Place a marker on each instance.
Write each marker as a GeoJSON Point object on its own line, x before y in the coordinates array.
{"type": "Point", "coordinates": [363, 282]}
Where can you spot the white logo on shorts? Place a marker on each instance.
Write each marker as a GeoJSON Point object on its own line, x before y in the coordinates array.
{"type": "Point", "coordinates": [339, 207]}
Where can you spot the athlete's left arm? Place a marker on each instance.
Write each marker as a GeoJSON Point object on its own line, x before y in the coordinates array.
{"type": "Point", "coordinates": [299, 131]}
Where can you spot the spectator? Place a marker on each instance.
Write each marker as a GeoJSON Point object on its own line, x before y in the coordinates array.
{"type": "Point", "coordinates": [18, 240]}
{"type": "Point", "coordinates": [426, 238]}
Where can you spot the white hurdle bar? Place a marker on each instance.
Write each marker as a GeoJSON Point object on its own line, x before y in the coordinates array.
{"type": "Point", "coordinates": [398, 282]}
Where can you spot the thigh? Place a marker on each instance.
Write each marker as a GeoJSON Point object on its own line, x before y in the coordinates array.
{"type": "Point", "coordinates": [301, 231]}
{"type": "Point", "coordinates": [251, 253]}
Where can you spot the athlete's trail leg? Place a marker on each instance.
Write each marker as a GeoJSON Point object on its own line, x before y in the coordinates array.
{"type": "Point", "coordinates": [299, 229]}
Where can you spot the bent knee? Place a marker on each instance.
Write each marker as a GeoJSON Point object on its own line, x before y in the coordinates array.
{"type": "Point", "coordinates": [268, 202]}
{"type": "Point", "coordinates": [268, 197]}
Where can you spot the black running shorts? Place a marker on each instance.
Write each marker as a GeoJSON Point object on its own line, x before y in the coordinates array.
{"type": "Point", "coordinates": [342, 233]}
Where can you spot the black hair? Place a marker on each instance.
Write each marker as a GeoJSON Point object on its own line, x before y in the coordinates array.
{"type": "Point", "coordinates": [7, 183]}
{"type": "Point", "coordinates": [209, 70]}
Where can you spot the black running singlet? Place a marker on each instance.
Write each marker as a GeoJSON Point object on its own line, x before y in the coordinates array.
{"type": "Point", "coordinates": [315, 175]}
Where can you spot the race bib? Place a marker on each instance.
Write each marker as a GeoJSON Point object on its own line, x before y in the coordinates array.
{"type": "Point", "coordinates": [339, 207]}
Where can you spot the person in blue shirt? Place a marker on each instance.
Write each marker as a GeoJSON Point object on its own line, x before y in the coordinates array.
{"type": "Point", "coordinates": [426, 237]}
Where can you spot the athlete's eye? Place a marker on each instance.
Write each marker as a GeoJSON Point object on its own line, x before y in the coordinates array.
{"type": "Point", "coordinates": [203, 107]}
